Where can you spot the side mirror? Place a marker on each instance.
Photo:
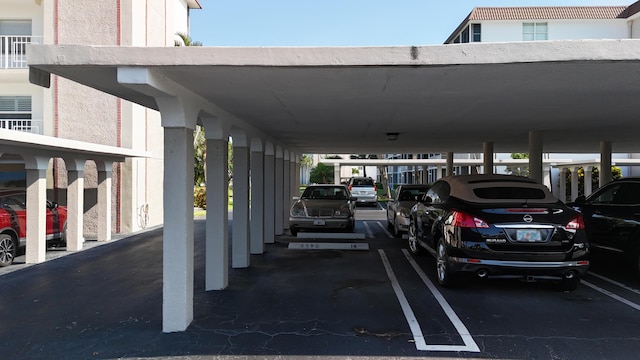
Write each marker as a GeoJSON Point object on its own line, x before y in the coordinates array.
{"type": "Point", "coordinates": [426, 200]}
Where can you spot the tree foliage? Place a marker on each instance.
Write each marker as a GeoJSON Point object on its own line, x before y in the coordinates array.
{"type": "Point", "coordinates": [522, 170]}
{"type": "Point", "coordinates": [616, 173]}
{"type": "Point", "coordinates": [322, 174]}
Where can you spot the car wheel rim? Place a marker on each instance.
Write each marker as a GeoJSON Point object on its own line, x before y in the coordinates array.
{"type": "Point", "coordinates": [442, 262]}
{"type": "Point", "coordinates": [6, 250]}
{"type": "Point", "coordinates": [412, 237]}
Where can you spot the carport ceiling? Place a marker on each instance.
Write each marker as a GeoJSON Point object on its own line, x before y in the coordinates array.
{"type": "Point", "coordinates": [438, 98]}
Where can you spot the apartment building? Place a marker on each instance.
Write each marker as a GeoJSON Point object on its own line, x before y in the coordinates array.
{"type": "Point", "coordinates": [510, 24]}
{"type": "Point", "coordinates": [69, 111]}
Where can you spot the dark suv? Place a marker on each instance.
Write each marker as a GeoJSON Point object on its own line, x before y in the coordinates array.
{"type": "Point", "coordinates": [612, 219]}
{"type": "Point", "coordinates": [363, 189]}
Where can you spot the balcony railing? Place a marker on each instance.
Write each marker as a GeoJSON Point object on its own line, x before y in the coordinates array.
{"type": "Point", "coordinates": [26, 125]}
{"type": "Point", "coordinates": [13, 50]}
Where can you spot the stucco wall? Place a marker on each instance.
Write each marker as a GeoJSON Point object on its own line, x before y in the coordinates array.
{"type": "Point", "coordinates": [507, 31]}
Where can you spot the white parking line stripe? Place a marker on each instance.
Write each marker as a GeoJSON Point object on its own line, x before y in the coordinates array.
{"type": "Point", "coordinates": [404, 304]}
{"type": "Point", "coordinates": [612, 295]}
{"type": "Point", "coordinates": [368, 229]}
{"type": "Point", "coordinates": [470, 344]}
{"type": "Point", "coordinates": [615, 282]}
{"type": "Point", "coordinates": [384, 228]}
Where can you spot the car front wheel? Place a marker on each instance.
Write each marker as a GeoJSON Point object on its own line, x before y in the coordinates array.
{"type": "Point", "coordinates": [8, 250]}
{"type": "Point", "coordinates": [446, 277]}
{"type": "Point", "coordinates": [414, 247]}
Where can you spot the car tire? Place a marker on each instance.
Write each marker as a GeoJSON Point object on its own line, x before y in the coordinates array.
{"type": "Point", "coordinates": [396, 232]}
{"type": "Point", "coordinates": [446, 277]}
{"type": "Point", "coordinates": [567, 284]}
{"type": "Point", "coordinates": [8, 249]}
{"type": "Point", "coordinates": [413, 245]}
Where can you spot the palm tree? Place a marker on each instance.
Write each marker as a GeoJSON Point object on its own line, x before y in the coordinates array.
{"type": "Point", "coordinates": [185, 40]}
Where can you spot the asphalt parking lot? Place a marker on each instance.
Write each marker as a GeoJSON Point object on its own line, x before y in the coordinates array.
{"type": "Point", "coordinates": [312, 301]}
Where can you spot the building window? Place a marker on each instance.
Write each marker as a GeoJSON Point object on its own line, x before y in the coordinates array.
{"type": "Point", "coordinates": [534, 31]}
{"type": "Point", "coordinates": [470, 33]}
{"type": "Point", "coordinates": [15, 113]}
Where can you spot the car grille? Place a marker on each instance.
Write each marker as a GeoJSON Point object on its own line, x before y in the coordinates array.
{"type": "Point", "coordinates": [320, 212]}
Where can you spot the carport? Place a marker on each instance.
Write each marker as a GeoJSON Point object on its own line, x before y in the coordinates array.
{"type": "Point", "coordinates": [278, 103]}
{"type": "Point", "coordinates": [35, 151]}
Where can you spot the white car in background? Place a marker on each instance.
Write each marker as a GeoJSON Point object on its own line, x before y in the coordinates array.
{"type": "Point", "coordinates": [364, 190]}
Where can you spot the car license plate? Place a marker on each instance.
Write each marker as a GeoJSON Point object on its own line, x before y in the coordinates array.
{"type": "Point", "coordinates": [318, 222]}
{"type": "Point", "coordinates": [528, 235]}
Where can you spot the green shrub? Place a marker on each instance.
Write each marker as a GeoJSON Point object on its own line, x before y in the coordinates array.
{"type": "Point", "coordinates": [200, 197]}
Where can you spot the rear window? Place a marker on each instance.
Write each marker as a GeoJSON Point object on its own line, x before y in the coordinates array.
{"type": "Point", "coordinates": [362, 182]}
{"type": "Point", "coordinates": [509, 193]}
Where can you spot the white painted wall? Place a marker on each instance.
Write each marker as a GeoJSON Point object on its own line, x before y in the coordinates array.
{"type": "Point", "coordinates": [511, 31]}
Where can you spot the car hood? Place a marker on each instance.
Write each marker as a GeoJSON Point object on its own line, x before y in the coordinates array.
{"type": "Point", "coordinates": [323, 204]}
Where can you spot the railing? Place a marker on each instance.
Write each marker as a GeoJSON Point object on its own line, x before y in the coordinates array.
{"type": "Point", "coordinates": [26, 125]}
{"type": "Point", "coordinates": [13, 50]}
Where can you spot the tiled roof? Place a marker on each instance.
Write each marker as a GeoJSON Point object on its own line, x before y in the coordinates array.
{"type": "Point", "coordinates": [547, 12]}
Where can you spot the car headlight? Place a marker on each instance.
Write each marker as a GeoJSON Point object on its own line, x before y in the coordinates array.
{"type": "Point", "coordinates": [298, 210]}
{"type": "Point", "coordinates": [343, 212]}
{"type": "Point", "coordinates": [404, 212]}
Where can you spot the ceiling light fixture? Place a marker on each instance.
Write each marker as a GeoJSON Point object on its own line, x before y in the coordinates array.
{"type": "Point", "coordinates": [392, 136]}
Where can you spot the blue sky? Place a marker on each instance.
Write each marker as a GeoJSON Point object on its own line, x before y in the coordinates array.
{"type": "Point", "coordinates": [342, 22]}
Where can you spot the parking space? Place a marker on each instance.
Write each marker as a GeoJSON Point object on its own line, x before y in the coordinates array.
{"type": "Point", "coordinates": [333, 302]}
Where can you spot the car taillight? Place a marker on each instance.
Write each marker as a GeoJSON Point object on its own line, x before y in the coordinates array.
{"type": "Point", "coordinates": [577, 223]}
{"type": "Point", "coordinates": [374, 188]}
{"type": "Point", "coordinates": [465, 220]}
{"type": "Point", "coordinates": [350, 187]}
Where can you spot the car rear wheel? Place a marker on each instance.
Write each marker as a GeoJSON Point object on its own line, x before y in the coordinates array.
{"type": "Point", "coordinates": [414, 247]}
{"type": "Point", "coordinates": [396, 232]}
{"type": "Point", "coordinates": [8, 249]}
{"type": "Point", "coordinates": [568, 284]}
{"type": "Point", "coordinates": [446, 277]}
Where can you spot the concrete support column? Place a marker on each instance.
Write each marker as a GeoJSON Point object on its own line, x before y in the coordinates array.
{"type": "Point", "coordinates": [588, 185]}
{"type": "Point", "coordinates": [257, 197]}
{"type": "Point", "coordinates": [286, 189]}
{"type": "Point", "coordinates": [487, 150]}
{"type": "Point", "coordinates": [75, 204]}
{"type": "Point", "coordinates": [605, 162]}
{"type": "Point", "coordinates": [36, 213]}
{"type": "Point", "coordinates": [449, 169]}
{"type": "Point", "coordinates": [336, 173]}
{"type": "Point", "coordinates": [240, 233]}
{"type": "Point", "coordinates": [562, 192]}
{"type": "Point", "coordinates": [104, 201]}
{"type": "Point", "coordinates": [295, 177]}
{"type": "Point", "coordinates": [177, 237]}
{"type": "Point", "coordinates": [535, 156]}
{"type": "Point", "coordinates": [278, 192]}
{"type": "Point", "coordinates": [574, 183]}
{"type": "Point", "coordinates": [269, 194]}
{"type": "Point", "coordinates": [217, 226]}
{"type": "Point", "coordinates": [438, 172]}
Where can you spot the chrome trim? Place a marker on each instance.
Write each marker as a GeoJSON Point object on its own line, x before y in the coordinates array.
{"type": "Point", "coordinates": [521, 264]}
{"type": "Point", "coordinates": [525, 226]}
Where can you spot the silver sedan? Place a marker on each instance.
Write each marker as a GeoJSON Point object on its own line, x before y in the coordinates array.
{"type": "Point", "coordinates": [323, 207]}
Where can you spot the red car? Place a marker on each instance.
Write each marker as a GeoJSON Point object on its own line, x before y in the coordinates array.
{"type": "Point", "coordinates": [13, 224]}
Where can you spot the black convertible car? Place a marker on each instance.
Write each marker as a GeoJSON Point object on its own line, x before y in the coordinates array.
{"type": "Point", "coordinates": [499, 226]}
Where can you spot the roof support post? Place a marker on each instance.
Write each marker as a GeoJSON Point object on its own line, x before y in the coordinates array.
{"type": "Point", "coordinates": [535, 155]}
{"type": "Point", "coordinates": [588, 185]}
{"type": "Point", "coordinates": [240, 233]}
{"type": "Point", "coordinates": [75, 204]}
{"type": "Point", "coordinates": [104, 200]}
{"type": "Point", "coordinates": [278, 191]}
{"type": "Point", "coordinates": [449, 170]}
{"type": "Point", "coordinates": [269, 193]}
{"type": "Point", "coordinates": [177, 238]}
{"type": "Point", "coordinates": [257, 196]}
{"type": "Point", "coordinates": [562, 189]}
{"type": "Point", "coordinates": [217, 234]}
{"type": "Point", "coordinates": [295, 176]}
{"type": "Point", "coordinates": [487, 149]}
{"type": "Point", "coordinates": [336, 172]}
{"type": "Point", "coordinates": [36, 168]}
{"type": "Point", "coordinates": [605, 162]}
{"type": "Point", "coordinates": [574, 183]}
{"type": "Point", "coordinates": [286, 189]}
